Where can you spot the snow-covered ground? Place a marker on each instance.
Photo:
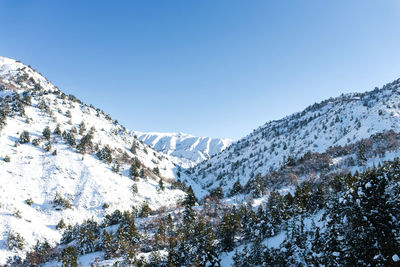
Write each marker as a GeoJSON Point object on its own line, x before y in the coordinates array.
{"type": "Point", "coordinates": [89, 184]}
{"type": "Point", "coordinates": [32, 173]}
{"type": "Point", "coordinates": [336, 121]}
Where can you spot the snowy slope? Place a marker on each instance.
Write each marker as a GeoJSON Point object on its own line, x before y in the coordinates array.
{"type": "Point", "coordinates": [31, 103]}
{"type": "Point", "coordinates": [188, 149]}
{"type": "Point", "coordinates": [336, 121]}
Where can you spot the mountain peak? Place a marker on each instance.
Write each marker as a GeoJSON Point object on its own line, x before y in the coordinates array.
{"type": "Point", "coordinates": [188, 150]}
{"type": "Point", "coordinates": [55, 149]}
{"type": "Point", "coordinates": [16, 76]}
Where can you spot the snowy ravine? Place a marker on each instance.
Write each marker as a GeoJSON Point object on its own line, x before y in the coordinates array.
{"type": "Point", "coordinates": [186, 150]}
{"type": "Point", "coordinates": [336, 121]}
{"type": "Point", "coordinates": [31, 175]}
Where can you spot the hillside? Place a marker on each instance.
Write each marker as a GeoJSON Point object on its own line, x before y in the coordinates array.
{"type": "Point", "coordinates": [188, 150]}
{"type": "Point", "coordinates": [63, 159]}
{"type": "Point", "coordinates": [78, 187]}
{"type": "Point", "coordinates": [335, 122]}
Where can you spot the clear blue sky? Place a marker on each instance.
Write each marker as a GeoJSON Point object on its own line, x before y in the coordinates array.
{"type": "Point", "coordinates": [210, 68]}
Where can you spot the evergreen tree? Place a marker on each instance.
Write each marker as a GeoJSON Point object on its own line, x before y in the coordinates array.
{"type": "Point", "coordinates": [361, 154]}
{"type": "Point", "coordinates": [156, 171]}
{"type": "Point", "coordinates": [88, 233]}
{"type": "Point", "coordinates": [82, 128]}
{"type": "Point", "coordinates": [86, 143]}
{"type": "Point", "coordinates": [133, 147]}
{"type": "Point", "coordinates": [369, 214]}
{"type": "Point", "coordinates": [236, 188]}
{"type": "Point", "coordinates": [46, 133]}
{"type": "Point", "coordinates": [68, 257]}
{"type": "Point", "coordinates": [145, 210]}
{"type": "Point", "coordinates": [275, 210]}
{"type": "Point", "coordinates": [217, 193]}
{"type": "Point", "coordinates": [227, 229]}
{"type": "Point", "coordinates": [133, 172]}
{"type": "Point", "coordinates": [173, 258]}
{"type": "Point", "coordinates": [105, 154]}
{"type": "Point", "coordinates": [161, 184]}
{"type": "Point", "coordinates": [57, 130]}
{"type": "Point", "coordinates": [24, 137]}
{"type": "Point", "coordinates": [189, 202]}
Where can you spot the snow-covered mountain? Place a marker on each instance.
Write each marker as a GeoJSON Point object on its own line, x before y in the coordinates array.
{"type": "Point", "coordinates": [188, 150]}
{"type": "Point", "coordinates": [336, 121]}
{"type": "Point", "coordinates": [63, 159]}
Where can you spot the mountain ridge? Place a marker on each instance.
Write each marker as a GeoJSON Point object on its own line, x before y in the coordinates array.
{"type": "Point", "coordinates": [188, 149]}
{"type": "Point", "coordinates": [335, 121]}
{"type": "Point", "coordinates": [63, 159]}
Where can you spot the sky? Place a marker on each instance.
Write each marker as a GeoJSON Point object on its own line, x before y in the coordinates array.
{"type": "Point", "coordinates": [208, 68]}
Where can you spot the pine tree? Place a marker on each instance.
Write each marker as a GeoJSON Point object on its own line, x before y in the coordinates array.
{"type": "Point", "coordinates": [173, 257]}
{"type": "Point", "coordinates": [133, 147]}
{"type": "Point", "coordinates": [189, 202]}
{"type": "Point", "coordinates": [61, 225]}
{"type": "Point", "coordinates": [227, 230]}
{"type": "Point", "coordinates": [361, 154]}
{"type": "Point", "coordinates": [86, 143]}
{"type": "Point", "coordinates": [68, 257]}
{"type": "Point", "coordinates": [161, 184]}
{"type": "Point", "coordinates": [24, 137]}
{"type": "Point", "coordinates": [46, 133]}
{"type": "Point", "coordinates": [115, 168]}
{"type": "Point", "coordinates": [105, 154]}
{"type": "Point", "coordinates": [88, 233]}
{"type": "Point", "coordinates": [133, 173]}
{"type": "Point", "coordinates": [205, 250]}
{"type": "Point", "coordinates": [82, 128]}
{"type": "Point", "coordinates": [369, 213]}
{"type": "Point", "coordinates": [334, 235]}
{"type": "Point", "coordinates": [57, 130]}
{"type": "Point", "coordinates": [236, 188]}
{"type": "Point", "coordinates": [257, 251]}
{"type": "Point", "coordinates": [156, 171]}
{"type": "Point", "coordinates": [275, 210]}
{"type": "Point", "coordinates": [145, 210]}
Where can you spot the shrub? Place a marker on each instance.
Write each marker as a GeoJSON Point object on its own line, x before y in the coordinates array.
{"type": "Point", "coordinates": [62, 202]}
{"type": "Point", "coordinates": [36, 142]}
{"type": "Point", "coordinates": [57, 130]}
{"type": "Point", "coordinates": [61, 225]}
{"type": "Point", "coordinates": [145, 210]}
{"type": "Point", "coordinates": [15, 241]}
{"type": "Point", "coordinates": [115, 168]}
{"type": "Point", "coordinates": [7, 159]}
{"type": "Point", "coordinates": [47, 147]}
{"type": "Point", "coordinates": [156, 171]}
{"type": "Point", "coordinates": [105, 154]}
{"type": "Point", "coordinates": [46, 133]}
{"type": "Point", "coordinates": [29, 201]}
{"type": "Point", "coordinates": [69, 258]}
{"type": "Point", "coordinates": [24, 137]}
{"type": "Point", "coordinates": [134, 189]}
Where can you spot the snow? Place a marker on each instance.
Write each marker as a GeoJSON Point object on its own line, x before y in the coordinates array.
{"type": "Point", "coordinates": [186, 149]}
{"type": "Point", "coordinates": [337, 121]}
{"type": "Point", "coordinates": [84, 180]}
{"type": "Point", "coordinates": [89, 183]}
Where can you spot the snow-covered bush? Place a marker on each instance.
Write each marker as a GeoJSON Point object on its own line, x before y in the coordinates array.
{"type": "Point", "coordinates": [24, 137]}
{"type": "Point", "coordinates": [15, 241]}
